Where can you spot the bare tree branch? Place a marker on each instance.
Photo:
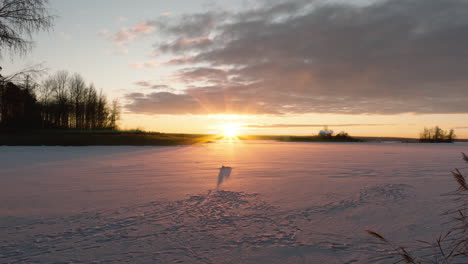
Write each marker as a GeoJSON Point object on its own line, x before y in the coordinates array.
{"type": "Point", "coordinates": [19, 19]}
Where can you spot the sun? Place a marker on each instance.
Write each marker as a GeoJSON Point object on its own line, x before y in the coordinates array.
{"type": "Point", "coordinates": [230, 130]}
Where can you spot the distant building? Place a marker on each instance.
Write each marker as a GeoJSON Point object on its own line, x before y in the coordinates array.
{"type": "Point", "coordinates": [325, 132]}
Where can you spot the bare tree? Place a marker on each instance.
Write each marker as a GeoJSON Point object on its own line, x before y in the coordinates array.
{"type": "Point", "coordinates": [60, 92]}
{"type": "Point", "coordinates": [102, 111]}
{"type": "Point", "coordinates": [33, 71]}
{"type": "Point", "coordinates": [77, 87]}
{"type": "Point", "coordinates": [114, 114]}
{"type": "Point", "coordinates": [61, 101]}
{"type": "Point", "coordinates": [19, 19]}
{"type": "Point", "coordinates": [91, 106]}
{"type": "Point", "coordinates": [437, 135]}
{"type": "Point", "coordinates": [45, 95]}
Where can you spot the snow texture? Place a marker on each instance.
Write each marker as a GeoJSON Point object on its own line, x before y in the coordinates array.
{"type": "Point", "coordinates": [283, 203]}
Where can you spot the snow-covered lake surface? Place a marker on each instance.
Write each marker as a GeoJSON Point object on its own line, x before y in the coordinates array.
{"type": "Point", "coordinates": [283, 202]}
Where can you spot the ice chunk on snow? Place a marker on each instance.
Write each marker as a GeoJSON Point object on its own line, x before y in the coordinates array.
{"type": "Point", "coordinates": [224, 173]}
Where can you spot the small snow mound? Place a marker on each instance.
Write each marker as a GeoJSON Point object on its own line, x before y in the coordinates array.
{"type": "Point", "coordinates": [385, 193]}
{"type": "Point", "coordinates": [378, 194]}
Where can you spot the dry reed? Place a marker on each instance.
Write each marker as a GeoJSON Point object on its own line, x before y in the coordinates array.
{"type": "Point", "coordinates": [450, 247]}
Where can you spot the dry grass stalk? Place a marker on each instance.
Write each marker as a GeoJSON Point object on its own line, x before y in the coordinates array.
{"type": "Point", "coordinates": [460, 179]}
{"type": "Point", "coordinates": [449, 248]}
{"type": "Point", "coordinates": [465, 158]}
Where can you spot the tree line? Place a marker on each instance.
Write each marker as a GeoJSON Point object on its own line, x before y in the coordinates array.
{"type": "Point", "coordinates": [436, 135]}
{"type": "Point", "coordinates": [60, 101]}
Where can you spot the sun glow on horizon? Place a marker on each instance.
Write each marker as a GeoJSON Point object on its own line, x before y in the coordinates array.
{"type": "Point", "coordinates": [230, 130]}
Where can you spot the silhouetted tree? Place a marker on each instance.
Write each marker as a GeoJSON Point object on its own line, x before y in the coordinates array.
{"type": "Point", "coordinates": [436, 135]}
{"type": "Point", "coordinates": [342, 135]}
{"type": "Point", "coordinates": [451, 135]}
{"type": "Point", "coordinates": [114, 114]}
{"type": "Point", "coordinates": [77, 97]}
{"type": "Point", "coordinates": [19, 19]}
{"type": "Point", "coordinates": [19, 109]}
{"type": "Point", "coordinates": [64, 102]}
{"type": "Point", "coordinates": [91, 103]}
{"type": "Point", "coordinates": [61, 93]}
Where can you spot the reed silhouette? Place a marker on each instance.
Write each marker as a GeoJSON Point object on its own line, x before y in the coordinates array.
{"type": "Point", "coordinates": [449, 247]}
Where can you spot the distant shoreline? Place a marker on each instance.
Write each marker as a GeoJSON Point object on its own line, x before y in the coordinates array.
{"type": "Point", "coordinates": [98, 138]}
{"type": "Point", "coordinates": [287, 138]}
{"type": "Point", "coordinates": [142, 138]}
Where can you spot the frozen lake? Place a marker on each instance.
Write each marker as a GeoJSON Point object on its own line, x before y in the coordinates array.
{"type": "Point", "coordinates": [283, 203]}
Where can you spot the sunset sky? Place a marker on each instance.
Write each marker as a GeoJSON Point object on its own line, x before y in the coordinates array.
{"type": "Point", "coordinates": [371, 68]}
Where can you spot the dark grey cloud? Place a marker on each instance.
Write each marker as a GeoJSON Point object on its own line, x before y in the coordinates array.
{"type": "Point", "coordinates": [161, 87]}
{"type": "Point", "coordinates": [386, 57]}
{"type": "Point", "coordinates": [208, 100]}
{"type": "Point", "coordinates": [149, 85]}
{"type": "Point", "coordinates": [190, 25]}
{"type": "Point", "coordinates": [183, 44]}
{"type": "Point", "coordinates": [143, 83]}
{"type": "Point", "coordinates": [314, 125]}
{"type": "Point", "coordinates": [205, 74]}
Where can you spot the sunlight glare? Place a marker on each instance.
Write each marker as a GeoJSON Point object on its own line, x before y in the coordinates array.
{"type": "Point", "coordinates": [230, 130]}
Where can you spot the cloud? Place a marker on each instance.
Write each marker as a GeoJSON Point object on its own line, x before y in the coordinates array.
{"type": "Point", "coordinates": [202, 74]}
{"type": "Point", "coordinates": [184, 44]}
{"type": "Point", "coordinates": [154, 87]}
{"type": "Point", "coordinates": [189, 25]}
{"type": "Point", "coordinates": [297, 56]}
{"type": "Point", "coordinates": [163, 102]}
{"type": "Point", "coordinates": [313, 125]}
{"type": "Point", "coordinates": [122, 37]}
{"type": "Point", "coordinates": [147, 64]}
{"type": "Point", "coordinates": [143, 28]}
{"type": "Point", "coordinates": [194, 101]}
{"type": "Point", "coordinates": [143, 83]}
{"type": "Point", "coordinates": [179, 61]}
{"type": "Point", "coordinates": [161, 87]}
{"type": "Point", "coordinates": [126, 35]}
{"type": "Point", "coordinates": [149, 85]}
